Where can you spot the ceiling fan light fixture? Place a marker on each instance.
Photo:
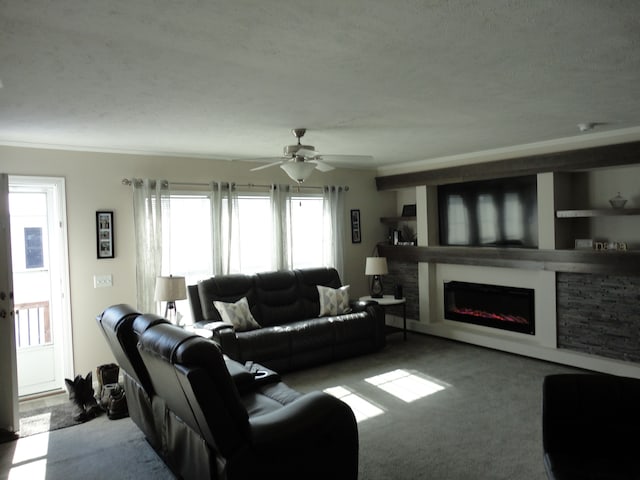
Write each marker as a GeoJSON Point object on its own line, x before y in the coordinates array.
{"type": "Point", "coordinates": [298, 171]}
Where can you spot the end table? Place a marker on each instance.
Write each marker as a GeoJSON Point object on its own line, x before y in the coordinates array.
{"type": "Point", "coordinates": [388, 301]}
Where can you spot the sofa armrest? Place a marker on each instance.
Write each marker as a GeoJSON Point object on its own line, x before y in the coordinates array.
{"type": "Point", "coordinates": [361, 305]}
{"type": "Point", "coordinates": [213, 326]}
{"type": "Point", "coordinates": [225, 336]}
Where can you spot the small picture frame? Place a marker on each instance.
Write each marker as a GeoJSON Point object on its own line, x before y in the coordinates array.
{"type": "Point", "coordinates": [356, 232]}
{"type": "Point", "coordinates": [104, 234]}
{"type": "Point", "coordinates": [409, 210]}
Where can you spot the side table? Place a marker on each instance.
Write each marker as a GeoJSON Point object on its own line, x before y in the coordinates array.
{"type": "Point", "coordinates": [388, 301]}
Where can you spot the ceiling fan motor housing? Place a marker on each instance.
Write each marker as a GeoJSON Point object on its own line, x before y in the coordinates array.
{"type": "Point", "coordinates": [290, 150]}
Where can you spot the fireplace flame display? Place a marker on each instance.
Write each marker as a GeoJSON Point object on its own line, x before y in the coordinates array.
{"type": "Point", "coordinates": [495, 306]}
{"type": "Point", "coordinates": [502, 317]}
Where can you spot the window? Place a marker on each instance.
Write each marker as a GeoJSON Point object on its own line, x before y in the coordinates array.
{"type": "Point", "coordinates": [252, 249]}
{"type": "Point", "coordinates": [306, 231]}
{"type": "Point", "coordinates": [187, 242]}
{"type": "Point", "coordinates": [34, 254]}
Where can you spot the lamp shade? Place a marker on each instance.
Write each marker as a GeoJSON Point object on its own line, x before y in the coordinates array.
{"type": "Point", "coordinates": [170, 289]}
{"type": "Point", "coordinates": [376, 266]}
{"type": "Point", "coordinates": [298, 170]}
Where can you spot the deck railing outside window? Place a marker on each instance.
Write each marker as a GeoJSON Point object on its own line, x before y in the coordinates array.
{"type": "Point", "coordinates": [33, 325]}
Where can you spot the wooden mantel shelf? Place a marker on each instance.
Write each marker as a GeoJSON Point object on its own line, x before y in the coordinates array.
{"type": "Point", "coordinates": [577, 261]}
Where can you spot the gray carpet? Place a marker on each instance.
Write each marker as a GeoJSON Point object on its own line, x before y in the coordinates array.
{"type": "Point", "coordinates": [484, 424]}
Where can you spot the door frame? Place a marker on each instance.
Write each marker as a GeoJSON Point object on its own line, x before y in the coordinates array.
{"type": "Point", "coordinates": [59, 245]}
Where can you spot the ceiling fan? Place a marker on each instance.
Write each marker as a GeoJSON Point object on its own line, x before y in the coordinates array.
{"type": "Point", "coordinates": [299, 161]}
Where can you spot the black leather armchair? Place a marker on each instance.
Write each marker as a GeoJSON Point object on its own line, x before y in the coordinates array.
{"type": "Point", "coordinates": [590, 427]}
{"type": "Point", "coordinates": [247, 428]}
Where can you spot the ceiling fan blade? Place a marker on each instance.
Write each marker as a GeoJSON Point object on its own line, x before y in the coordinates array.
{"type": "Point", "coordinates": [262, 167]}
{"type": "Point", "coordinates": [348, 158]}
{"type": "Point", "coordinates": [322, 166]}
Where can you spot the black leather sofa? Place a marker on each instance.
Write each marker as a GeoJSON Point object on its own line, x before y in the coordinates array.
{"type": "Point", "coordinates": [590, 426]}
{"type": "Point", "coordinates": [286, 305]}
{"type": "Point", "coordinates": [210, 417]}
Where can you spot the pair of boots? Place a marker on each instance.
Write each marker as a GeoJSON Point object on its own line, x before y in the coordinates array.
{"type": "Point", "coordinates": [85, 406]}
{"type": "Point", "coordinates": [112, 398]}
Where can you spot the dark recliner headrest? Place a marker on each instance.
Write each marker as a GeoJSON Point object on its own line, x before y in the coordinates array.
{"type": "Point", "coordinates": [225, 288]}
{"type": "Point", "coordinates": [116, 323]}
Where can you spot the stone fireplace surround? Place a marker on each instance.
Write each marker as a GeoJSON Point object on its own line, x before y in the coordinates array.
{"type": "Point", "coordinates": [584, 320]}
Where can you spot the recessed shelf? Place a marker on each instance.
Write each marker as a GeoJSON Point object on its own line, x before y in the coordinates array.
{"type": "Point", "coordinates": [597, 212]}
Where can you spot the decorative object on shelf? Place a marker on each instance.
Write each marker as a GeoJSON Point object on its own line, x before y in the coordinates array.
{"type": "Point", "coordinates": [409, 210]}
{"type": "Point", "coordinates": [611, 246]}
{"type": "Point", "coordinates": [104, 234]}
{"type": "Point", "coordinates": [397, 293]}
{"type": "Point", "coordinates": [376, 266]}
{"type": "Point", "coordinates": [408, 235]}
{"type": "Point", "coordinates": [584, 243]}
{"type": "Point", "coordinates": [356, 232]}
{"type": "Point", "coordinates": [618, 201]}
{"type": "Point", "coordinates": [169, 289]}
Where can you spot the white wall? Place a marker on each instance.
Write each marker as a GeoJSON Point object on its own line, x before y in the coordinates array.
{"type": "Point", "coordinates": [93, 182]}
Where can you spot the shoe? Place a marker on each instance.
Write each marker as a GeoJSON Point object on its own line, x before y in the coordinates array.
{"type": "Point", "coordinates": [107, 375]}
{"type": "Point", "coordinates": [117, 407]}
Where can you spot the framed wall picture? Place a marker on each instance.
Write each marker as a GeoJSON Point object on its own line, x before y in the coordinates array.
{"type": "Point", "coordinates": [409, 210]}
{"type": "Point", "coordinates": [104, 234]}
{"type": "Point", "coordinates": [356, 232]}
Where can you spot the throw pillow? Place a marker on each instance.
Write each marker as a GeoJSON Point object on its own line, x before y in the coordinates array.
{"type": "Point", "coordinates": [237, 314]}
{"type": "Point", "coordinates": [333, 301]}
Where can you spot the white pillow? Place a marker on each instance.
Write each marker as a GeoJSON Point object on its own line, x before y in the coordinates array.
{"type": "Point", "coordinates": [333, 301]}
{"type": "Point", "coordinates": [237, 314]}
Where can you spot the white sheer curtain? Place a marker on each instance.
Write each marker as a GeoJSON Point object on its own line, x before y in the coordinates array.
{"type": "Point", "coordinates": [333, 220]}
{"type": "Point", "coordinates": [224, 225]}
{"type": "Point", "coordinates": [282, 258]}
{"type": "Point", "coordinates": [150, 208]}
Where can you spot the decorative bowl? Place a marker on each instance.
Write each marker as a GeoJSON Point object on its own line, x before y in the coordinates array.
{"type": "Point", "coordinates": [618, 201]}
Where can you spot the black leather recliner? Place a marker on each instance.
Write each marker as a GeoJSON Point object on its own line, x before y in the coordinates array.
{"type": "Point", "coordinates": [242, 427]}
{"type": "Point", "coordinates": [116, 323]}
{"type": "Point", "coordinates": [590, 427]}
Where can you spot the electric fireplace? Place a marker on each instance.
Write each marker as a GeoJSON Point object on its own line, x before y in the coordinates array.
{"type": "Point", "coordinates": [506, 308]}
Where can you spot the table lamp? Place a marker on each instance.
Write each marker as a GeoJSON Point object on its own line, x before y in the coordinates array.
{"type": "Point", "coordinates": [376, 266]}
{"type": "Point", "coordinates": [169, 289]}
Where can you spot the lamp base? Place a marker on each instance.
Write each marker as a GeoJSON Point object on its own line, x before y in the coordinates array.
{"type": "Point", "coordinates": [171, 313]}
{"type": "Point", "coordinates": [376, 287]}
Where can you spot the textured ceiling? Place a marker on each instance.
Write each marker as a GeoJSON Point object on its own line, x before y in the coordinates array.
{"type": "Point", "coordinates": [403, 81]}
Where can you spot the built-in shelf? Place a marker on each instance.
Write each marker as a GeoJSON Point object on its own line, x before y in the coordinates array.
{"type": "Point", "coordinates": [597, 212]}
{"type": "Point", "coordinates": [395, 220]}
{"type": "Point", "coordinates": [577, 261]}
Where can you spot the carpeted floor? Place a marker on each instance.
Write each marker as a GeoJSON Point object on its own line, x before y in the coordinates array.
{"type": "Point", "coordinates": [475, 414]}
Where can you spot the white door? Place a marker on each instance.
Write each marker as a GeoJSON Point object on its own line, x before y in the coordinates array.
{"type": "Point", "coordinates": [9, 419]}
{"type": "Point", "coordinates": [39, 251]}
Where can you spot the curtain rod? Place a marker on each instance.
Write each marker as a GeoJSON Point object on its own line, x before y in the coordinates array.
{"type": "Point", "coordinates": [128, 182]}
